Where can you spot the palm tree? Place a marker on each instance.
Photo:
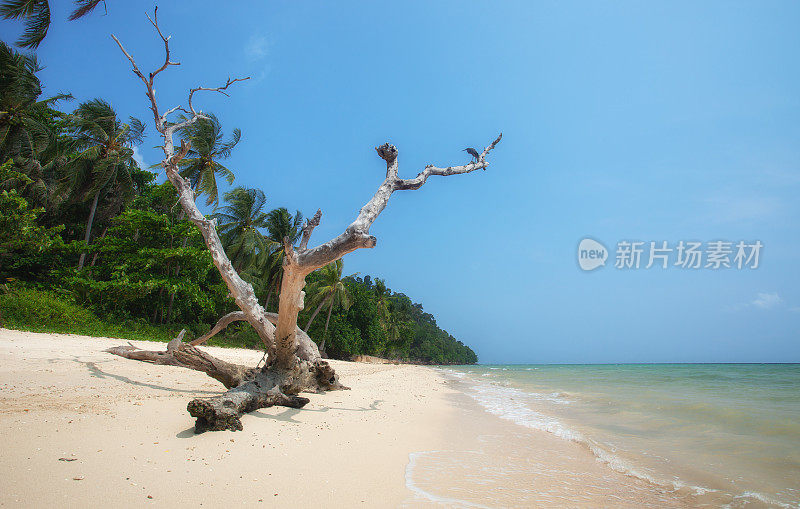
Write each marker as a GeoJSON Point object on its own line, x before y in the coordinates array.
{"type": "Point", "coordinates": [281, 224]}
{"type": "Point", "coordinates": [36, 14]}
{"type": "Point", "coordinates": [105, 161]}
{"type": "Point", "coordinates": [201, 166]}
{"type": "Point", "coordinates": [23, 128]}
{"type": "Point", "coordinates": [382, 294]}
{"type": "Point", "coordinates": [239, 223]}
{"type": "Point", "coordinates": [329, 289]}
{"type": "Point", "coordinates": [267, 271]}
{"type": "Point", "coordinates": [396, 325]}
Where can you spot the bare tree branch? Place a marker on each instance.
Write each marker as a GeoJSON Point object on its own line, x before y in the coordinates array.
{"type": "Point", "coordinates": [241, 291]}
{"type": "Point", "coordinates": [220, 325]}
{"type": "Point", "coordinates": [422, 177]}
{"type": "Point", "coordinates": [167, 63]}
{"type": "Point", "coordinates": [221, 90]}
{"type": "Point", "coordinates": [293, 363]}
{"type": "Point", "coordinates": [297, 264]}
{"type": "Point", "coordinates": [308, 228]}
{"type": "Point", "coordinates": [307, 349]}
{"type": "Point", "coordinates": [357, 236]}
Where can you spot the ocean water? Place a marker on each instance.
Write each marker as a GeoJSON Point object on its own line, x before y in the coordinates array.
{"type": "Point", "coordinates": [722, 434]}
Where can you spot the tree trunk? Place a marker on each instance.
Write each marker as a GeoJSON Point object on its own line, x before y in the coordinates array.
{"type": "Point", "coordinates": [89, 229]}
{"type": "Point", "coordinates": [270, 291]}
{"type": "Point", "coordinates": [169, 308]}
{"type": "Point", "coordinates": [289, 305]}
{"type": "Point", "coordinates": [94, 258]}
{"type": "Point", "coordinates": [325, 334]}
{"type": "Point", "coordinates": [269, 295]}
{"type": "Point", "coordinates": [267, 388]}
{"type": "Point", "coordinates": [307, 350]}
{"type": "Point", "coordinates": [314, 314]}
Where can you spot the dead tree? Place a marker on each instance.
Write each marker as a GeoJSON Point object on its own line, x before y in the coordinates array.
{"type": "Point", "coordinates": [293, 361]}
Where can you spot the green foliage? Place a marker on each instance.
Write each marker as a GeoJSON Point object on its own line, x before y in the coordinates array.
{"type": "Point", "coordinates": [104, 163]}
{"type": "Point", "coordinates": [147, 261]}
{"type": "Point", "coordinates": [201, 165]}
{"type": "Point", "coordinates": [36, 15]}
{"type": "Point", "coordinates": [23, 128]}
{"type": "Point", "coordinates": [401, 331]}
{"type": "Point", "coordinates": [281, 224]}
{"type": "Point", "coordinates": [49, 311]}
{"type": "Point", "coordinates": [26, 247]}
{"type": "Point", "coordinates": [239, 224]}
{"type": "Point", "coordinates": [146, 272]}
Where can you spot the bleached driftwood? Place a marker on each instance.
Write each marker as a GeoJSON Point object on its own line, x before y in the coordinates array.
{"type": "Point", "coordinates": [293, 361]}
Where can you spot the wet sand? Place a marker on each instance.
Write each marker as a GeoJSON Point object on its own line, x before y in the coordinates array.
{"type": "Point", "coordinates": [403, 436]}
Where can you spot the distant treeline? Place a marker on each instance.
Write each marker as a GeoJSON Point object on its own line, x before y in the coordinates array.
{"type": "Point", "coordinates": [81, 222]}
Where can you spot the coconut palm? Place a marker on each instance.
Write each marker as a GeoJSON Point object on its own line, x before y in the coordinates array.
{"type": "Point", "coordinates": [36, 15]}
{"type": "Point", "coordinates": [239, 224]}
{"type": "Point", "coordinates": [281, 224]}
{"type": "Point", "coordinates": [328, 290]}
{"type": "Point", "coordinates": [201, 165]}
{"type": "Point", "coordinates": [105, 159]}
{"type": "Point", "coordinates": [23, 117]}
{"type": "Point", "coordinates": [267, 271]}
{"type": "Point", "coordinates": [382, 294]}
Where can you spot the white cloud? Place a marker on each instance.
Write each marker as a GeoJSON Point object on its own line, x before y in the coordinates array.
{"type": "Point", "coordinates": [765, 300]}
{"type": "Point", "coordinates": [737, 208]}
{"type": "Point", "coordinates": [256, 47]}
{"type": "Point", "coordinates": [137, 156]}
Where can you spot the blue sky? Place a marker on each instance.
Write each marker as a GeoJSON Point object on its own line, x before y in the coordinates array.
{"type": "Point", "coordinates": [631, 120]}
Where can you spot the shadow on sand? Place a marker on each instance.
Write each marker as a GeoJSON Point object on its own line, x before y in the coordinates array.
{"type": "Point", "coordinates": [96, 372]}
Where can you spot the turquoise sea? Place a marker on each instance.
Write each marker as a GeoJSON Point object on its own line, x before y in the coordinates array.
{"type": "Point", "coordinates": [727, 433]}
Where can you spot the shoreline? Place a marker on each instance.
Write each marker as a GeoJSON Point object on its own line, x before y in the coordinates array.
{"type": "Point", "coordinates": [404, 435]}
{"type": "Point", "coordinates": [495, 462]}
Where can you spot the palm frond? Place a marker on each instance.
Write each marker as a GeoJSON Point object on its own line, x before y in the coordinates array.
{"type": "Point", "coordinates": [136, 131]}
{"type": "Point", "coordinates": [84, 7]}
{"type": "Point", "coordinates": [36, 15]}
{"type": "Point", "coordinates": [226, 148]}
{"type": "Point", "coordinates": [13, 9]}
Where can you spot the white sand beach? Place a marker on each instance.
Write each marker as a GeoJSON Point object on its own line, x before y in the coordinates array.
{"type": "Point", "coordinates": [402, 436]}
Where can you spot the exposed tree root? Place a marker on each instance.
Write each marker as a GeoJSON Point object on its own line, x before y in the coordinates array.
{"type": "Point", "coordinates": [248, 388]}
{"type": "Point", "coordinates": [269, 387]}
{"type": "Point", "coordinates": [224, 412]}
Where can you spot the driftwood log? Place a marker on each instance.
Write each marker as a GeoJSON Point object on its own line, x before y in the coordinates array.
{"type": "Point", "coordinates": [293, 359]}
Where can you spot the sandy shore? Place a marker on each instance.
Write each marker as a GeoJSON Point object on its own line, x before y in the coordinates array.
{"type": "Point", "coordinates": [126, 423]}
{"type": "Point", "coordinates": [404, 436]}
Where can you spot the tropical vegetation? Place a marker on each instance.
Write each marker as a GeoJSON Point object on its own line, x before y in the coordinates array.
{"type": "Point", "coordinates": [92, 243]}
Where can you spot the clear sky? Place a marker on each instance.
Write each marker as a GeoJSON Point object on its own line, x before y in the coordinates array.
{"type": "Point", "coordinates": [649, 121]}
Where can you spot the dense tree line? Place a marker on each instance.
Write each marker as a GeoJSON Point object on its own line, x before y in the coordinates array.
{"type": "Point", "coordinates": [79, 215]}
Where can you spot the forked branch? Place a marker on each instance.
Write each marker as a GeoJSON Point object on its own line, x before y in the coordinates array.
{"type": "Point", "coordinates": [241, 291]}
{"type": "Point", "coordinates": [357, 236]}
